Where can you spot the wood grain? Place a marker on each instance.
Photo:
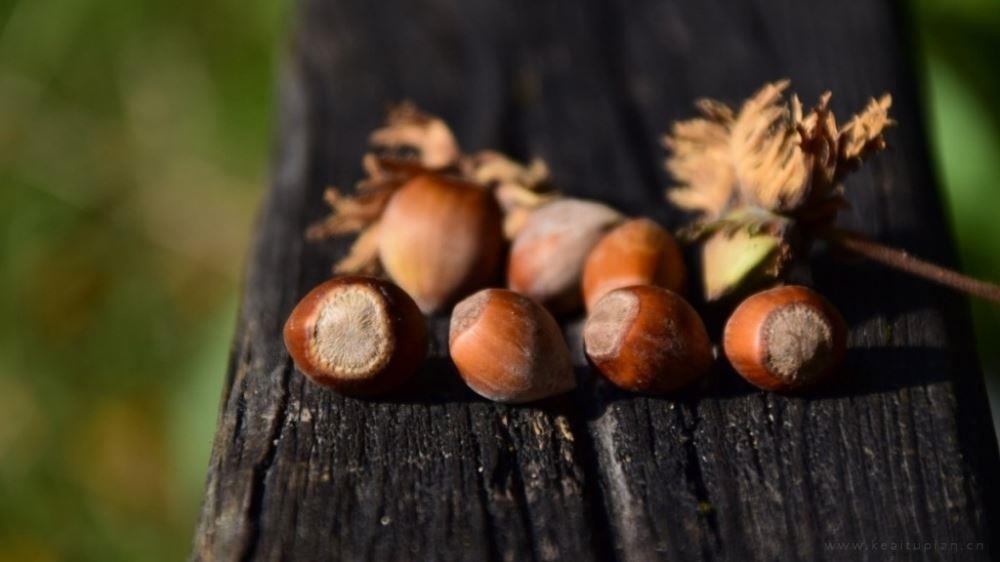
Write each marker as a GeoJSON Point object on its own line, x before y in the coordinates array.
{"type": "Point", "coordinates": [901, 453]}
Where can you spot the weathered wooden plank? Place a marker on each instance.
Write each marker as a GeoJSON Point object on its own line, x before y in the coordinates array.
{"type": "Point", "coordinates": [731, 472]}
{"type": "Point", "coordinates": [900, 453]}
{"type": "Point", "coordinates": [299, 472]}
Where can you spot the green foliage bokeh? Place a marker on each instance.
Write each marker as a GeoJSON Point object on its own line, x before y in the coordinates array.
{"type": "Point", "coordinates": [958, 41]}
{"type": "Point", "coordinates": [134, 141]}
{"type": "Point", "coordinates": [133, 151]}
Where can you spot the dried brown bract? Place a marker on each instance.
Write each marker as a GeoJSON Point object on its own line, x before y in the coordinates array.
{"type": "Point", "coordinates": [519, 188]}
{"type": "Point", "coordinates": [411, 134]}
{"type": "Point", "coordinates": [701, 160]}
{"type": "Point", "coordinates": [413, 143]}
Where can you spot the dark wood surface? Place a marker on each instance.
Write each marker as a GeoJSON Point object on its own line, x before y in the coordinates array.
{"type": "Point", "coordinates": [900, 452]}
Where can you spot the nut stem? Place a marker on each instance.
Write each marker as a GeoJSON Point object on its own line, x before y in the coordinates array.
{"type": "Point", "coordinates": [903, 261]}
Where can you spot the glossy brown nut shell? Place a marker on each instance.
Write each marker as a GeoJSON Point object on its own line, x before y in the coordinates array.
{"type": "Point", "coordinates": [785, 338]}
{"type": "Point", "coordinates": [508, 348]}
{"type": "Point", "coordinates": [357, 335]}
{"type": "Point", "coordinates": [647, 339]}
{"type": "Point", "coordinates": [636, 252]}
{"type": "Point", "coordinates": [440, 239]}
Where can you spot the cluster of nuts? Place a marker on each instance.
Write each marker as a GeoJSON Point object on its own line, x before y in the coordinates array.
{"type": "Point", "coordinates": [439, 225]}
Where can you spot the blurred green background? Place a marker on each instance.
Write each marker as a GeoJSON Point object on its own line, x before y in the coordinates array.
{"type": "Point", "coordinates": [134, 139]}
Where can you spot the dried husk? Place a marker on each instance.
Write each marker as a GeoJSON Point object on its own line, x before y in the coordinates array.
{"type": "Point", "coordinates": [768, 176]}
{"type": "Point", "coordinates": [411, 143]}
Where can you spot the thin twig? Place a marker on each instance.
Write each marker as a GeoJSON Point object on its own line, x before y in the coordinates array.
{"type": "Point", "coordinates": [899, 259]}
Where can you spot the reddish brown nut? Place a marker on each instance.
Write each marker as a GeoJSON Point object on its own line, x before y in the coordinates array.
{"type": "Point", "coordinates": [508, 348]}
{"type": "Point", "coordinates": [357, 335]}
{"type": "Point", "coordinates": [784, 339]}
{"type": "Point", "coordinates": [647, 339]}
{"type": "Point", "coordinates": [441, 239]}
{"type": "Point", "coordinates": [636, 252]}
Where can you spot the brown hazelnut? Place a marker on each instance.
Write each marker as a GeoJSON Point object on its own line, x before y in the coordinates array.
{"type": "Point", "coordinates": [357, 335]}
{"type": "Point", "coordinates": [647, 339]}
{"type": "Point", "coordinates": [508, 348]}
{"type": "Point", "coordinates": [547, 256]}
{"type": "Point", "coordinates": [441, 238]}
{"type": "Point", "coordinates": [636, 252]}
{"type": "Point", "coordinates": [785, 338]}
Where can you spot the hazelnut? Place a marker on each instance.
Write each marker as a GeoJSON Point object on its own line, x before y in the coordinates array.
{"type": "Point", "coordinates": [508, 348]}
{"type": "Point", "coordinates": [647, 339]}
{"type": "Point", "coordinates": [441, 238]}
{"type": "Point", "coordinates": [357, 335]}
{"type": "Point", "coordinates": [785, 338]}
{"type": "Point", "coordinates": [636, 252]}
{"type": "Point", "coordinates": [547, 256]}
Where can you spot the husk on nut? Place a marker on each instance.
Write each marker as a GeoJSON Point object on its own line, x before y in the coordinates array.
{"type": "Point", "coordinates": [765, 180]}
{"type": "Point", "coordinates": [429, 215]}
